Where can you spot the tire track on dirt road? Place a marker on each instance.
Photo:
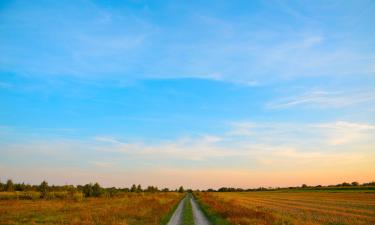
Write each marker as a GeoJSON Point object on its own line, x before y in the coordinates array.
{"type": "Point", "coordinates": [199, 217]}
{"type": "Point", "coordinates": [177, 215]}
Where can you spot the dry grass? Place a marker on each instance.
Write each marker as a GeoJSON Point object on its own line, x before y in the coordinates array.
{"type": "Point", "coordinates": [268, 208]}
{"type": "Point", "coordinates": [131, 208]}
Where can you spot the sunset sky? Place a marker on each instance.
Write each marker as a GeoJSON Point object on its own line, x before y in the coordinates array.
{"type": "Point", "coordinates": [195, 93]}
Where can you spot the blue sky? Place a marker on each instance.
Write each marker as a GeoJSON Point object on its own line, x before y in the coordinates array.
{"type": "Point", "coordinates": [165, 93]}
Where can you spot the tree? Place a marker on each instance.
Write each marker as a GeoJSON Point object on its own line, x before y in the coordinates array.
{"type": "Point", "coordinates": [9, 185]}
{"type": "Point", "coordinates": [152, 189]}
{"type": "Point", "coordinates": [181, 189]}
{"type": "Point", "coordinates": [43, 188]}
{"type": "Point", "coordinates": [133, 188]}
{"type": "Point", "coordinates": [139, 188]}
{"type": "Point", "coordinates": [355, 183]}
{"type": "Point", "coordinates": [97, 190]}
{"type": "Point", "coordinates": [87, 190]}
{"type": "Point", "coordinates": [304, 186]}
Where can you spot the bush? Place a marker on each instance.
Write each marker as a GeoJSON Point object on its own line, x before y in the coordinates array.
{"type": "Point", "coordinates": [49, 195]}
{"type": "Point", "coordinates": [29, 195]}
{"type": "Point", "coordinates": [78, 196]}
{"type": "Point", "coordinates": [61, 194]}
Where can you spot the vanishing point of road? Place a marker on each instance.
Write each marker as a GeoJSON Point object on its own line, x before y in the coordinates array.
{"type": "Point", "coordinates": [199, 217]}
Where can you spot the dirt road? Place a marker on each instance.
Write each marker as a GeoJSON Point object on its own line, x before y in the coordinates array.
{"type": "Point", "coordinates": [177, 215]}
{"type": "Point", "coordinates": [199, 217]}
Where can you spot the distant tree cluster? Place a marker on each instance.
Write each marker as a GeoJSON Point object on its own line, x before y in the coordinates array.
{"type": "Point", "coordinates": [303, 186]}
{"type": "Point", "coordinates": [88, 190]}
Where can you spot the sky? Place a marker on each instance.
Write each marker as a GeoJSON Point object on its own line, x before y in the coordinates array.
{"type": "Point", "coordinates": [202, 94]}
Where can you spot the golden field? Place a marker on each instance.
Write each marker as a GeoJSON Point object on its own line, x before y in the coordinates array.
{"type": "Point", "coordinates": [293, 207]}
{"type": "Point", "coordinates": [127, 209]}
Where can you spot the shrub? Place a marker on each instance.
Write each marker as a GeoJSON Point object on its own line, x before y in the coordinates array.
{"type": "Point", "coordinates": [61, 194]}
{"type": "Point", "coordinates": [29, 195]}
{"type": "Point", "coordinates": [49, 196]}
{"type": "Point", "coordinates": [78, 196]}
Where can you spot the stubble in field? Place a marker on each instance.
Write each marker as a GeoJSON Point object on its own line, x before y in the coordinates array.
{"type": "Point", "coordinates": [269, 208]}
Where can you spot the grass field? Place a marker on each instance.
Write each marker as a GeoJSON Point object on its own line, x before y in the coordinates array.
{"type": "Point", "coordinates": [291, 207]}
{"type": "Point", "coordinates": [129, 208]}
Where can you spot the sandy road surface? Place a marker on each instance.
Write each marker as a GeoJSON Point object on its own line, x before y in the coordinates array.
{"type": "Point", "coordinates": [177, 215]}
{"type": "Point", "coordinates": [199, 217]}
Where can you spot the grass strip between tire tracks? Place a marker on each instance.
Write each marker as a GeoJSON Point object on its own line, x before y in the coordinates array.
{"type": "Point", "coordinates": [187, 213]}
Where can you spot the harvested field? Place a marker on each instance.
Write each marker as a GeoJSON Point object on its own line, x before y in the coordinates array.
{"type": "Point", "coordinates": [294, 207]}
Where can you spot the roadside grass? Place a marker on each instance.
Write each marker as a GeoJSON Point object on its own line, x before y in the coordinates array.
{"type": "Point", "coordinates": [128, 209]}
{"type": "Point", "coordinates": [187, 213]}
{"type": "Point", "coordinates": [288, 207]}
{"type": "Point", "coordinates": [213, 217]}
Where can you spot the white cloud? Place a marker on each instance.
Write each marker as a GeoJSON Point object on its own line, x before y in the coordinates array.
{"type": "Point", "coordinates": [342, 132]}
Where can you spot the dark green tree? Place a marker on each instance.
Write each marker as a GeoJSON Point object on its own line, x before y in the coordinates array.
{"type": "Point", "coordinates": [43, 188]}
{"type": "Point", "coordinates": [152, 189]}
{"type": "Point", "coordinates": [97, 190]}
{"type": "Point", "coordinates": [139, 188]}
{"type": "Point", "coordinates": [181, 189]}
{"type": "Point", "coordinates": [133, 188]}
{"type": "Point", "coordinates": [9, 186]}
{"type": "Point", "coordinates": [87, 190]}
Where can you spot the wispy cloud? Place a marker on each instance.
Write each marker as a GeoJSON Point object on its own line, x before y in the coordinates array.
{"type": "Point", "coordinates": [127, 45]}
{"type": "Point", "coordinates": [323, 99]}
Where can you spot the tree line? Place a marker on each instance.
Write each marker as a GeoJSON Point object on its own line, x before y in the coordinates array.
{"type": "Point", "coordinates": [88, 190]}
{"type": "Point", "coordinates": [303, 186]}
{"type": "Point", "coordinates": [95, 190]}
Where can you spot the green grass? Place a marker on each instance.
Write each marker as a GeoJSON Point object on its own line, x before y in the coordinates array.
{"type": "Point", "coordinates": [214, 218]}
{"type": "Point", "coordinates": [187, 214]}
